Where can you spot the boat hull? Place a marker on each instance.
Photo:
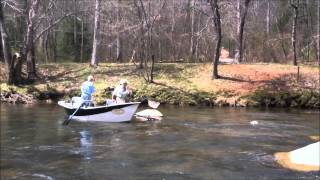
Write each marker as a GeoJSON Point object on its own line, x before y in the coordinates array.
{"type": "Point", "coordinates": [112, 113]}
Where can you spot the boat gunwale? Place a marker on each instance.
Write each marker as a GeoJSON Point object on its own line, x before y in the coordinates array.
{"type": "Point", "coordinates": [85, 111]}
{"type": "Point", "coordinates": [65, 105]}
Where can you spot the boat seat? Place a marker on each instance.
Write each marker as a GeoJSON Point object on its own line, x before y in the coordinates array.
{"type": "Point", "coordinates": [109, 102]}
{"type": "Point", "coordinates": [78, 101]}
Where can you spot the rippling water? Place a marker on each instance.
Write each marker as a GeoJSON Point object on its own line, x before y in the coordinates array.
{"type": "Point", "coordinates": [189, 143]}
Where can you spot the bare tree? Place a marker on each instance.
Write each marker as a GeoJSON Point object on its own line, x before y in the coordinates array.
{"type": "Point", "coordinates": [318, 25]}
{"type": "Point", "coordinates": [142, 18]}
{"type": "Point", "coordinates": [268, 17]}
{"type": "Point", "coordinates": [119, 45]}
{"type": "Point", "coordinates": [173, 51]}
{"type": "Point", "coordinates": [217, 25]}
{"type": "Point", "coordinates": [75, 30]}
{"type": "Point", "coordinates": [294, 30]}
{"type": "Point", "coordinates": [148, 17]}
{"type": "Point", "coordinates": [96, 34]}
{"type": "Point", "coordinates": [242, 13]}
{"type": "Point", "coordinates": [191, 12]}
{"type": "Point", "coordinates": [28, 51]}
{"type": "Point", "coordinates": [6, 51]}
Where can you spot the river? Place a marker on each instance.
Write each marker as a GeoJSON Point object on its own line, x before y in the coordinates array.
{"type": "Point", "coordinates": [189, 143]}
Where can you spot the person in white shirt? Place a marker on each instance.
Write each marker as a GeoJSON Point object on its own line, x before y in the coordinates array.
{"type": "Point", "coordinates": [121, 93]}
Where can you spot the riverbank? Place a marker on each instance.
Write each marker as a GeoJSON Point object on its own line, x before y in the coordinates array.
{"type": "Point", "coordinates": [179, 84]}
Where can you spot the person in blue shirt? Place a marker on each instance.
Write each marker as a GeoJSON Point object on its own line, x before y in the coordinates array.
{"type": "Point", "coordinates": [121, 93]}
{"type": "Point", "coordinates": [87, 89]}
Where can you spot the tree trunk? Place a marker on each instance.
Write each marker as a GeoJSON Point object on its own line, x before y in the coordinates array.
{"type": "Point", "coordinates": [159, 50]}
{"type": "Point", "coordinates": [31, 66]}
{"type": "Point", "coordinates": [242, 13]}
{"type": "Point", "coordinates": [45, 43]}
{"type": "Point", "coordinates": [6, 51]}
{"type": "Point", "coordinates": [119, 49]}
{"type": "Point", "coordinates": [150, 44]}
{"type": "Point", "coordinates": [75, 31]}
{"type": "Point", "coordinates": [283, 47]}
{"type": "Point", "coordinates": [142, 51]}
{"type": "Point", "coordinates": [82, 41]}
{"type": "Point", "coordinates": [141, 11]}
{"type": "Point", "coordinates": [142, 46]}
{"type": "Point", "coordinates": [237, 53]}
{"type": "Point", "coordinates": [119, 53]}
{"type": "Point", "coordinates": [30, 55]}
{"type": "Point", "coordinates": [294, 32]}
{"type": "Point", "coordinates": [28, 52]}
{"type": "Point", "coordinates": [54, 45]}
{"type": "Point", "coordinates": [196, 49]}
{"type": "Point", "coordinates": [173, 49]}
{"type": "Point", "coordinates": [268, 17]}
{"type": "Point", "coordinates": [152, 69]}
{"type": "Point", "coordinates": [318, 42]}
{"type": "Point", "coordinates": [217, 25]}
{"type": "Point", "coordinates": [96, 34]}
{"type": "Point", "coordinates": [1, 51]}
{"type": "Point", "coordinates": [191, 50]}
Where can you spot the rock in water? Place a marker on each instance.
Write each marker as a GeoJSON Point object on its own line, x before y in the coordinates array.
{"type": "Point", "coordinates": [149, 114]}
{"type": "Point", "coordinates": [303, 159]}
{"type": "Point", "coordinates": [315, 138]}
{"type": "Point", "coordinates": [308, 155]}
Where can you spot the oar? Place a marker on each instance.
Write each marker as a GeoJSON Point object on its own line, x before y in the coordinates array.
{"type": "Point", "coordinates": [66, 122]}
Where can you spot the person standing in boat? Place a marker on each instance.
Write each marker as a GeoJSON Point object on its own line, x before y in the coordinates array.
{"type": "Point", "coordinates": [87, 89]}
{"type": "Point", "coordinates": [121, 93]}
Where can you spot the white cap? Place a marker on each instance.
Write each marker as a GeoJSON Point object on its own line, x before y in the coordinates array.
{"type": "Point", "coordinates": [17, 55]}
{"type": "Point", "coordinates": [123, 81]}
{"type": "Point", "coordinates": [90, 78]}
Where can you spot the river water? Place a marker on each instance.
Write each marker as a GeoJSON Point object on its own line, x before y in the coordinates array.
{"type": "Point", "coordinates": [189, 143]}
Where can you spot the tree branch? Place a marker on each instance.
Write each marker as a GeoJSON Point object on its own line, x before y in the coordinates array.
{"type": "Point", "coordinates": [50, 26]}
{"type": "Point", "coordinates": [6, 2]}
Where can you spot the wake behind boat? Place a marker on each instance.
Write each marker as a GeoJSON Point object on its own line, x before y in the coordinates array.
{"type": "Point", "coordinates": [108, 113]}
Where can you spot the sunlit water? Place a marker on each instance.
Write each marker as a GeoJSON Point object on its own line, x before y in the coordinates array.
{"type": "Point", "coordinates": [189, 143]}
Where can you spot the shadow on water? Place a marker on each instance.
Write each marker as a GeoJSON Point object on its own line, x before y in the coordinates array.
{"type": "Point", "coordinates": [189, 143]}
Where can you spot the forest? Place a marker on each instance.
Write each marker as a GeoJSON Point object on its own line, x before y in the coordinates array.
{"type": "Point", "coordinates": [147, 34]}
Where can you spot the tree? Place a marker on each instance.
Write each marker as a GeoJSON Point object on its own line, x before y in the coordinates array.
{"type": "Point", "coordinates": [28, 52]}
{"type": "Point", "coordinates": [148, 17]}
{"type": "Point", "coordinates": [268, 17]}
{"type": "Point", "coordinates": [217, 25]}
{"type": "Point", "coordinates": [96, 33]}
{"type": "Point", "coordinates": [242, 13]}
{"type": "Point", "coordinates": [191, 14]}
{"type": "Point", "coordinates": [6, 51]}
{"type": "Point", "coordinates": [294, 30]}
{"type": "Point", "coordinates": [119, 42]}
{"type": "Point", "coordinates": [318, 25]}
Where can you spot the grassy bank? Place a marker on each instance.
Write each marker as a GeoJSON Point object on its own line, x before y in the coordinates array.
{"type": "Point", "coordinates": [184, 84]}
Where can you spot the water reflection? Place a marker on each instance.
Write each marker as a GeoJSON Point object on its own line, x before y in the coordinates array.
{"type": "Point", "coordinates": [86, 144]}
